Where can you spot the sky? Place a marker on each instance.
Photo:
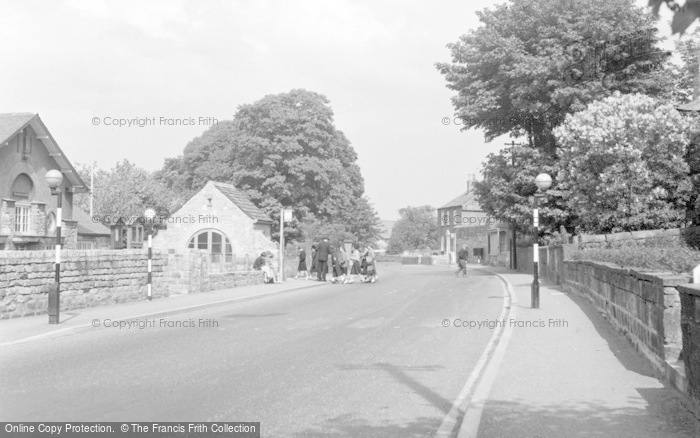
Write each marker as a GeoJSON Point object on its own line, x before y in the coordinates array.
{"type": "Point", "coordinates": [83, 65]}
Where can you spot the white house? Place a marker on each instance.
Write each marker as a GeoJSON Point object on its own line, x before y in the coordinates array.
{"type": "Point", "coordinates": [221, 220]}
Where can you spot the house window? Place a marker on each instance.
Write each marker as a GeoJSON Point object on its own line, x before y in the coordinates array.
{"type": "Point", "coordinates": [50, 224]}
{"type": "Point", "coordinates": [85, 245]}
{"type": "Point", "coordinates": [21, 219]}
{"type": "Point", "coordinates": [22, 187]}
{"type": "Point", "coordinates": [215, 242]}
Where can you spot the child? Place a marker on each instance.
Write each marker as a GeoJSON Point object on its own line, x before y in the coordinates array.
{"type": "Point", "coordinates": [354, 266]}
{"type": "Point", "coordinates": [336, 269]}
{"type": "Point", "coordinates": [371, 266]}
{"type": "Point", "coordinates": [302, 264]}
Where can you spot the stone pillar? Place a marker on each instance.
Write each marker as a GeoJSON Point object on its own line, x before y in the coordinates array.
{"type": "Point", "coordinates": [69, 234]}
{"type": "Point", "coordinates": [37, 225]}
{"type": "Point", "coordinates": [7, 217]}
{"type": "Point", "coordinates": [690, 327]}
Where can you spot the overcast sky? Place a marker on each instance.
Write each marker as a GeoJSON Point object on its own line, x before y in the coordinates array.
{"type": "Point", "coordinates": [72, 61]}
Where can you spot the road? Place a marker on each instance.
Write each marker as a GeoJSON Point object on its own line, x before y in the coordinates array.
{"type": "Point", "coordinates": [369, 360]}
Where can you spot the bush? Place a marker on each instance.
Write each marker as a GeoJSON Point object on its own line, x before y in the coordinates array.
{"type": "Point", "coordinates": [674, 258]}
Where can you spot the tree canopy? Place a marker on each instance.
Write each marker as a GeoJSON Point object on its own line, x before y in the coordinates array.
{"type": "Point", "coordinates": [508, 185]}
{"type": "Point", "coordinates": [124, 191]}
{"type": "Point", "coordinates": [415, 229]}
{"type": "Point", "coordinates": [530, 63]}
{"type": "Point", "coordinates": [623, 164]}
{"type": "Point", "coordinates": [282, 151]}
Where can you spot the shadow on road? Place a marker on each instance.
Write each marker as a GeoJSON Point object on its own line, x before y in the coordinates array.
{"type": "Point", "coordinates": [581, 419]}
{"type": "Point", "coordinates": [352, 426]}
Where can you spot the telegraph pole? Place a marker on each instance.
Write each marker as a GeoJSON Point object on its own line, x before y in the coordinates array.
{"type": "Point", "coordinates": [513, 255]}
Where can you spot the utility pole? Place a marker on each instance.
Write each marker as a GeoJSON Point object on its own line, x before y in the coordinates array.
{"type": "Point", "coordinates": [513, 247]}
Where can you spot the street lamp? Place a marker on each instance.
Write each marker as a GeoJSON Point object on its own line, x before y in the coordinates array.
{"type": "Point", "coordinates": [543, 182]}
{"type": "Point", "coordinates": [149, 214]}
{"type": "Point", "coordinates": [54, 178]}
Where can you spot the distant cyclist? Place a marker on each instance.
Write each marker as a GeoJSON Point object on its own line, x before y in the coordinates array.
{"type": "Point", "coordinates": [462, 260]}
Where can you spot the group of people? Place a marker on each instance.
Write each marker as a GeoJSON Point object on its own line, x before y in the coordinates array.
{"type": "Point", "coordinates": [264, 264]}
{"type": "Point", "coordinates": [341, 265]}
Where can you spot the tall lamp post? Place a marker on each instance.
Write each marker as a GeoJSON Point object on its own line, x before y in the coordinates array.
{"type": "Point", "coordinates": [543, 182]}
{"type": "Point", "coordinates": [54, 178]}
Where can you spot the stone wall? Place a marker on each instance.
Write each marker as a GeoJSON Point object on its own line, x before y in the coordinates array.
{"type": "Point", "coordinates": [690, 326]}
{"type": "Point", "coordinates": [193, 272]}
{"type": "Point", "coordinates": [644, 305]}
{"type": "Point", "coordinates": [88, 278]}
{"type": "Point", "coordinates": [689, 236]}
{"type": "Point", "coordinates": [551, 261]}
{"type": "Point", "coordinates": [102, 277]}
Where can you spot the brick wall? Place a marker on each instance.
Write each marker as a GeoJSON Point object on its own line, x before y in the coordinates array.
{"type": "Point", "coordinates": [88, 279]}
{"type": "Point", "coordinates": [644, 305]}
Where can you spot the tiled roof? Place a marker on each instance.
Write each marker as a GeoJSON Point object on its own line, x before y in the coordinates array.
{"type": "Point", "coordinates": [466, 198]}
{"type": "Point", "coordinates": [11, 123]}
{"type": "Point", "coordinates": [86, 224]}
{"type": "Point", "coordinates": [242, 202]}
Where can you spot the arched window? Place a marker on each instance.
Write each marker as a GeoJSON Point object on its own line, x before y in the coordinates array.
{"type": "Point", "coordinates": [22, 188]}
{"type": "Point", "coordinates": [215, 242]}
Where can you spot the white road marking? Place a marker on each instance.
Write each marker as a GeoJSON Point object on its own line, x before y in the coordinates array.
{"type": "Point", "coordinates": [472, 417]}
{"type": "Point", "coordinates": [463, 403]}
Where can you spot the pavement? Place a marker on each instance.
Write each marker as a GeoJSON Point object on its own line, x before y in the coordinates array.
{"type": "Point", "coordinates": [34, 328]}
{"type": "Point", "coordinates": [565, 371]}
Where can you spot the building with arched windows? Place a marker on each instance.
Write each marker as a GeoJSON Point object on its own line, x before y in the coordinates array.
{"type": "Point", "coordinates": [27, 207]}
{"type": "Point", "coordinates": [220, 220]}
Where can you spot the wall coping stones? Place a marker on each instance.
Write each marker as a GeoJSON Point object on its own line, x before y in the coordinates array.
{"type": "Point", "coordinates": [690, 289]}
{"type": "Point", "coordinates": [618, 236]}
{"type": "Point", "coordinates": [589, 238]}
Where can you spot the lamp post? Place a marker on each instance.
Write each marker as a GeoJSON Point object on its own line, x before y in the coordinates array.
{"type": "Point", "coordinates": [149, 214]}
{"type": "Point", "coordinates": [543, 182]}
{"type": "Point", "coordinates": [54, 178]}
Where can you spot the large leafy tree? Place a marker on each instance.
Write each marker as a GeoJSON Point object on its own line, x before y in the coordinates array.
{"type": "Point", "coordinates": [520, 71]}
{"type": "Point", "coordinates": [282, 151]}
{"type": "Point", "coordinates": [125, 191]}
{"type": "Point", "coordinates": [415, 229]}
{"type": "Point", "coordinates": [508, 185]}
{"type": "Point", "coordinates": [623, 164]}
{"type": "Point", "coordinates": [685, 74]}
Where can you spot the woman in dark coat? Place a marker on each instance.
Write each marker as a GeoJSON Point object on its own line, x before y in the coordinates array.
{"type": "Point", "coordinates": [314, 261]}
{"type": "Point", "coordinates": [302, 264]}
